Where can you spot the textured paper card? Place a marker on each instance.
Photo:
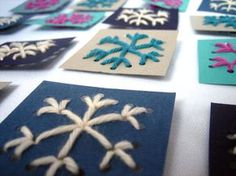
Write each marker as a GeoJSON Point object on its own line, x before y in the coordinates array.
{"type": "Point", "coordinates": [222, 140]}
{"type": "Point", "coordinates": [140, 18]}
{"type": "Point", "coordinates": [40, 6]}
{"type": "Point", "coordinates": [220, 6]}
{"type": "Point", "coordinates": [66, 129]}
{"type": "Point", "coordinates": [99, 5]}
{"type": "Point", "coordinates": [80, 20]}
{"type": "Point", "coordinates": [132, 52]}
{"type": "Point", "coordinates": [217, 61]}
{"type": "Point", "coordinates": [3, 85]}
{"type": "Point", "coordinates": [214, 23]}
{"type": "Point", "coordinates": [20, 53]}
{"type": "Point", "coordinates": [173, 4]}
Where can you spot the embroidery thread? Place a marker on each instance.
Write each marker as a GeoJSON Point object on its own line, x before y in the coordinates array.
{"type": "Point", "coordinates": [224, 5]}
{"type": "Point", "coordinates": [9, 20]}
{"type": "Point", "coordinates": [171, 3]}
{"type": "Point", "coordinates": [143, 17]}
{"type": "Point", "coordinates": [229, 21]}
{"type": "Point", "coordinates": [125, 48]}
{"type": "Point", "coordinates": [75, 18]}
{"type": "Point", "coordinates": [97, 3]}
{"type": "Point", "coordinates": [223, 62]}
{"type": "Point", "coordinates": [80, 124]}
{"type": "Point", "coordinates": [41, 4]}
{"type": "Point", "coordinates": [23, 49]}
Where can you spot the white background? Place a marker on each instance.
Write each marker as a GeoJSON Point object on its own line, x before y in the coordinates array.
{"type": "Point", "coordinates": [188, 145]}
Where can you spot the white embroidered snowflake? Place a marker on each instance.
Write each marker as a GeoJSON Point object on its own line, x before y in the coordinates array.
{"type": "Point", "coordinates": [143, 17]}
{"type": "Point", "coordinates": [9, 20]}
{"type": "Point", "coordinates": [79, 124]}
{"type": "Point", "coordinates": [24, 49]}
{"type": "Point", "coordinates": [226, 5]}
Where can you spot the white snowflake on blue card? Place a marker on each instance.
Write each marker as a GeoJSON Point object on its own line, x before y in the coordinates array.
{"type": "Point", "coordinates": [220, 6]}
{"type": "Point", "coordinates": [87, 131]}
{"type": "Point", "coordinates": [40, 6]}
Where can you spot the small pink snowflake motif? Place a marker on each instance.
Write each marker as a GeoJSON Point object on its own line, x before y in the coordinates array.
{"type": "Point", "coordinates": [171, 3]}
{"type": "Point", "coordinates": [77, 18]}
{"type": "Point", "coordinates": [60, 19]}
{"type": "Point", "coordinates": [41, 4]}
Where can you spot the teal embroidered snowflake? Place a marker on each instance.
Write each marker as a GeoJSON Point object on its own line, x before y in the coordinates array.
{"type": "Point", "coordinates": [125, 48]}
{"type": "Point", "coordinates": [97, 3]}
{"type": "Point", "coordinates": [229, 21]}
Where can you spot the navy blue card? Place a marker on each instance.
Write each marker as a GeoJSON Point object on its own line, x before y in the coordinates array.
{"type": "Point", "coordinates": [220, 6]}
{"type": "Point", "coordinates": [141, 18]}
{"type": "Point", "coordinates": [62, 129]}
{"type": "Point", "coordinates": [222, 150]}
{"type": "Point", "coordinates": [23, 53]}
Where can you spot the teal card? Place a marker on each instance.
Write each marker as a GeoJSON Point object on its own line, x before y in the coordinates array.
{"type": "Point", "coordinates": [74, 19]}
{"type": "Point", "coordinates": [217, 60]}
{"type": "Point", "coordinates": [40, 6]}
{"type": "Point", "coordinates": [170, 4]}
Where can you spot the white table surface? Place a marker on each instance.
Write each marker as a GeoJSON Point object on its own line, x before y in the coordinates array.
{"type": "Point", "coordinates": [187, 153]}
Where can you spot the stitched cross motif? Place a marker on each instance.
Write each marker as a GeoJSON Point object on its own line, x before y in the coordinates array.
{"type": "Point", "coordinates": [41, 4]}
{"type": "Point", "coordinates": [229, 21]}
{"type": "Point", "coordinates": [143, 17]}
{"type": "Point", "coordinates": [171, 3]}
{"type": "Point", "coordinates": [97, 3]}
{"type": "Point", "coordinates": [85, 123]}
{"type": "Point", "coordinates": [124, 48]}
{"type": "Point", "coordinates": [223, 62]}
{"type": "Point", "coordinates": [224, 5]}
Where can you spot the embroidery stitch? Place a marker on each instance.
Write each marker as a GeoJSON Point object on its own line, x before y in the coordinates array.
{"type": "Point", "coordinates": [23, 49]}
{"type": "Point", "coordinates": [220, 61]}
{"type": "Point", "coordinates": [125, 48]}
{"type": "Point", "coordinates": [225, 5]}
{"type": "Point", "coordinates": [79, 125]}
{"type": "Point", "coordinates": [41, 4]}
{"type": "Point", "coordinates": [9, 20]}
{"type": "Point", "coordinates": [229, 21]}
{"type": "Point", "coordinates": [143, 17]}
{"type": "Point", "coordinates": [97, 3]}
{"type": "Point", "coordinates": [171, 3]}
{"type": "Point", "coordinates": [75, 18]}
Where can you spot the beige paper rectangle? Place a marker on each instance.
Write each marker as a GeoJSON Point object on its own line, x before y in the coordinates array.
{"type": "Point", "coordinates": [198, 24]}
{"type": "Point", "coordinates": [3, 85]}
{"type": "Point", "coordinates": [114, 7]}
{"type": "Point", "coordinates": [76, 62]}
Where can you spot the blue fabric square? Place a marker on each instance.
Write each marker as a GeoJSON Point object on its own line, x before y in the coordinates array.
{"type": "Point", "coordinates": [144, 140]}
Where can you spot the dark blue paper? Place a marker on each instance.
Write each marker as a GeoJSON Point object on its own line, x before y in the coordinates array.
{"type": "Point", "coordinates": [171, 24]}
{"type": "Point", "coordinates": [205, 6]}
{"type": "Point", "coordinates": [51, 53]}
{"type": "Point", "coordinates": [151, 141]}
{"type": "Point", "coordinates": [223, 123]}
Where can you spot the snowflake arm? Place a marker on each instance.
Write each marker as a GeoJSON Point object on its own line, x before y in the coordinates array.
{"type": "Point", "coordinates": [54, 132]}
{"type": "Point", "coordinates": [54, 106]}
{"type": "Point", "coordinates": [116, 61]}
{"type": "Point", "coordinates": [4, 51]}
{"type": "Point", "coordinates": [99, 137]}
{"type": "Point", "coordinates": [22, 50]}
{"type": "Point", "coordinates": [105, 119]}
{"type": "Point", "coordinates": [119, 150]}
{"type": "Point", "coordinates": [70, 142]}
{"type": "Point", "coordinates": [96, 103]}
{"type": "Point", "coordinates": [55, 164]}
{"type": "Point", "coordinates": [22, 143]}
{"type": "Point", "coordinates": [43, 46]}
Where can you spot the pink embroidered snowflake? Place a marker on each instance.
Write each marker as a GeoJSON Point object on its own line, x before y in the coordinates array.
{"type": "Point", "coordinates": [171, 3]}
{"type": "Point", "coordinates": [41, 4]}
{"type": "Point", "coordinates": [75, 18]}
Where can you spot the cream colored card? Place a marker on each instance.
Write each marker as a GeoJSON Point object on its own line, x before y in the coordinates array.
{"type": "Point", "coordinates": [132, 52]}
{"type": "Point", "coordinates": [199, 24]}
{"type": "Point", "coordinates": [101, 5]}
{"type": "Point", "coordinates": [3, 85]}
